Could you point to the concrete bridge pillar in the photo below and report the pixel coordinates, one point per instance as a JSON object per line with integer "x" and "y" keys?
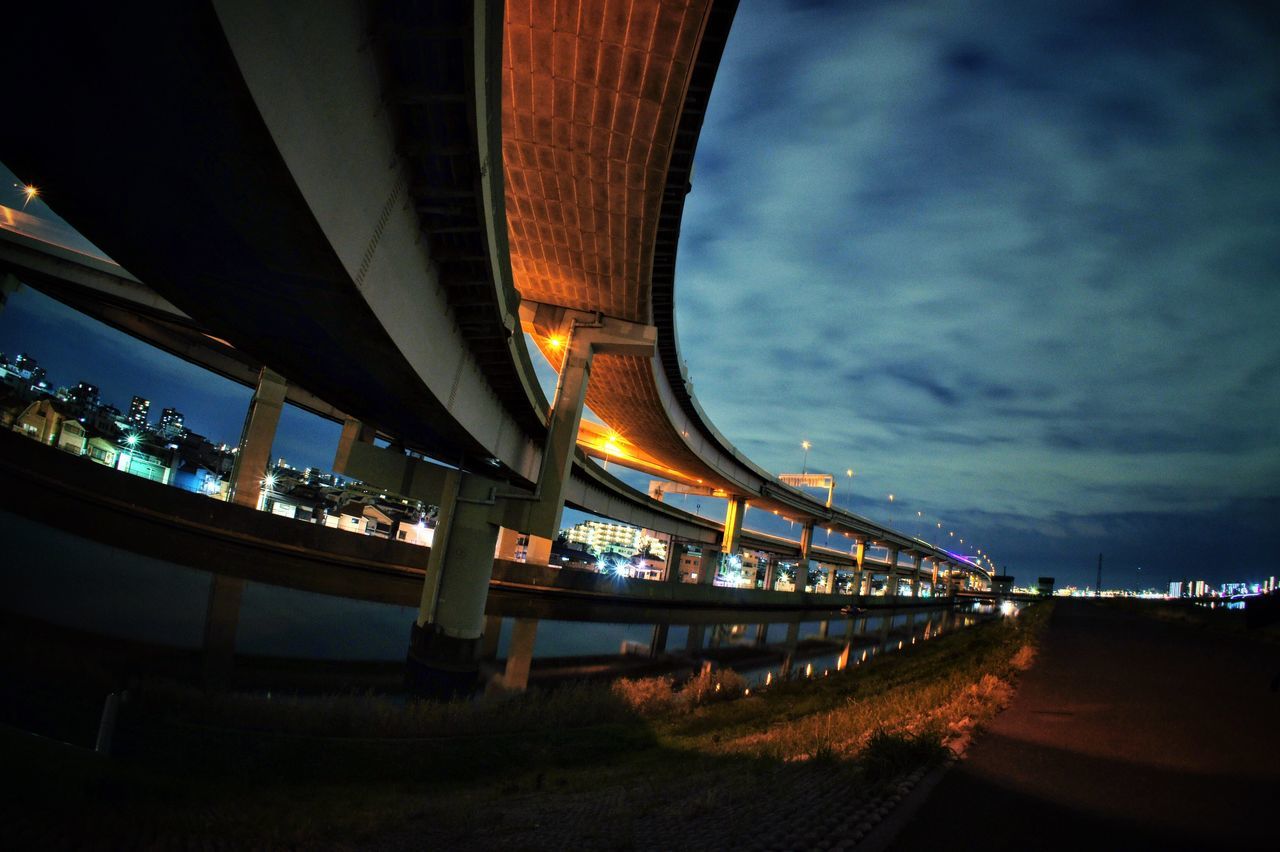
{"x": 710, "y": 565}
{"x": 254, "y": 454}
{"x": 587, "y": 337}
{"x": 443, "y": 658}
{"x": 831, "y": 579}
{"x": 508, "y": 544}
{"x": 658, "y": 644}
{"x": 915, "y": 575}
{"x": 859, "y": 553}
{"x": 803, "y": 564}
{"x": 675, "y": 551}
{"x": 353, "y": 432}
{"x": 891, "y": 582}
{"x": 770, "y": 571}
{"x": 735, "y": 511}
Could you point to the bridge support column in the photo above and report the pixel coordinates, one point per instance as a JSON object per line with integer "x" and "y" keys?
{"x": 803, "y": 564}
{"x": 891, "y": 582}
{"x": 353, "y": 432}
{"x": 587, "y": 337}
{"x": 734, "y": 511}
{"x": 915, "y": 575}
{"x": 675, "y": 552}
{"x": 443, "y": 658}
{"x": 508, "y": 544}
{"x": 256, "y": 438}
{"x": 658, "y": 643}
{"x": 710, "y": 565}
{"x": 859, "y": 554}
{"x": 934, "y": 581}
{"x": 770, "y": 572}
{"x": 831, "y": 579}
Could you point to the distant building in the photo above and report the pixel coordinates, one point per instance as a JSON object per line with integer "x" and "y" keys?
{"x": 139, "y": 410}
{"x": 601, "y": 536}
{"x": 171, "y": 423}
{"x": 106, "y": 419}
{"x": 1002, "y": 584}
{"x": 690, "y": 566}
{"x": 1045, "y": 586}
{"x": 1175, "y": 589}
{"x": 84, "y": 397}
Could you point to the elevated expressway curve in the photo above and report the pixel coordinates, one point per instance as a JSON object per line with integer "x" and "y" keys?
{"x": 373, "y": 202}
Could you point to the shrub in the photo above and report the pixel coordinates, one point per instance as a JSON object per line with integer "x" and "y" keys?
{"x": 717, "y": 685}
{"x": 888, "y": 755}
{"x": 647, "y": 695}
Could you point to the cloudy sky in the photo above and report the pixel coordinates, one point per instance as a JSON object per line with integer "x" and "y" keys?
{"x": 1016, "y": 263}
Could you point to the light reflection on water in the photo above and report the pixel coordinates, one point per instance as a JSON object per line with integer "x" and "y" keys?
{"x": 64, "y": 580}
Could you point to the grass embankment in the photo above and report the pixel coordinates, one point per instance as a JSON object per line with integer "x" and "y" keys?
{"x": 305, "y": 770}
{"x": 1200, "y": 617}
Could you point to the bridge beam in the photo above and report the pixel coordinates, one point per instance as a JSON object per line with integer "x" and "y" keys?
{"x": 256, "y": 438}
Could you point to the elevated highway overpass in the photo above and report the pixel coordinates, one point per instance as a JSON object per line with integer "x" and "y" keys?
{"x": 373, "y": 203}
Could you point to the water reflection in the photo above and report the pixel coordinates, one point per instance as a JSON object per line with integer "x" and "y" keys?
{"x": 236, "y": 631}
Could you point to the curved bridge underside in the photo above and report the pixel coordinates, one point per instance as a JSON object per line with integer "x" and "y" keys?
{"x": 323, "y": 193}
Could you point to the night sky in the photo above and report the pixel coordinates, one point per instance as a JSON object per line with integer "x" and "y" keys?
{"x": 1017, "y": 264}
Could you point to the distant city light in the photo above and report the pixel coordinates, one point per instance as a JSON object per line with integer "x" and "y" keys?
{"x": 30, "y": 192}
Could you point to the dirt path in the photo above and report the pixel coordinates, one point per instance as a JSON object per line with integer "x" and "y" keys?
{"x": 1129, "y": 733}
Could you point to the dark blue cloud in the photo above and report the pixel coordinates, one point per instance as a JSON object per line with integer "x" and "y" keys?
{"x": 1024, "y": 256}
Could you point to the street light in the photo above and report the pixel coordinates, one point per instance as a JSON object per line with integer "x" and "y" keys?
{"x": 805, "y": 445}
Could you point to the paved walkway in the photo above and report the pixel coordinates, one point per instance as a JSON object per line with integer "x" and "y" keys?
{"x": 1128, "y": 733}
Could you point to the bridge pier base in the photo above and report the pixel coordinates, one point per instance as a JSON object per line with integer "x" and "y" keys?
{"x": 443, "y": 656}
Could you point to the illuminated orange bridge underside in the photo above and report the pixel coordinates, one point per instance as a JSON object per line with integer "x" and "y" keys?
{"x": 592, "y": 96}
